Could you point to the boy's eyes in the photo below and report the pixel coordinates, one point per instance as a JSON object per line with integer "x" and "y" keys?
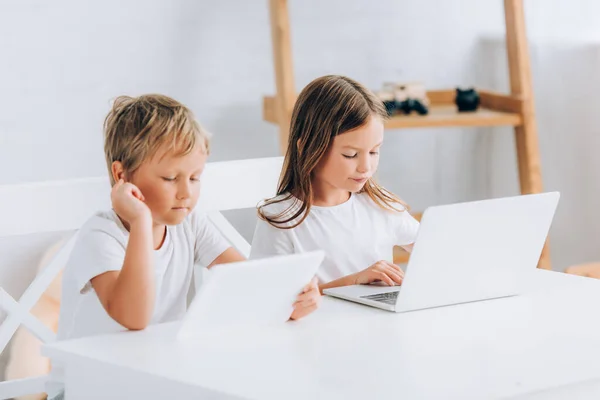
{"x": 170, "y": 179}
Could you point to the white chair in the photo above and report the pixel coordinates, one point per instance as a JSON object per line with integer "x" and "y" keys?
{"x": 55, "y": 208}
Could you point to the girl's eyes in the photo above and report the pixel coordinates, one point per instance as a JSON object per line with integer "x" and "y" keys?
{"x": 373, "y": 153}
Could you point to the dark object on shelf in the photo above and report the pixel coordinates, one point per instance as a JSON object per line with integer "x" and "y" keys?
{"x": 390, "y": 106}
{"x": 420, "y": 108}
{"x": 411, "y": 97}
{"x": 404, "y": 98}
{"x": 467, "y": 100}
{"x": 404, "y": 106}
{"x": 388, "y": 100}
{"x": 409, "y": 105}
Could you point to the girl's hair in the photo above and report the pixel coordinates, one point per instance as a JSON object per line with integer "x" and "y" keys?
{"x": 327, "y": 107}
{"x": 137, "y": 127}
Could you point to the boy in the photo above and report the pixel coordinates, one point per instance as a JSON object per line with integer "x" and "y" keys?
{"x": 138, "y": 258}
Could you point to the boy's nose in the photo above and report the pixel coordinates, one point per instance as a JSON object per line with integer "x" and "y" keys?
{"x": 183, "y": 191}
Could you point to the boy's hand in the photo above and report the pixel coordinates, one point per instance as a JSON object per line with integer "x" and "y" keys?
{"x": 128, "y": 202}
{"x": 383, "y": 271}
{"x": 307, "y": 301}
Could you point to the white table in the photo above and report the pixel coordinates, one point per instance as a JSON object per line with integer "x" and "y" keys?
{"x": 544, "y": 345}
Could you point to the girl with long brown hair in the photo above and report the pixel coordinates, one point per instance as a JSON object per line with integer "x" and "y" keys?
{"x": 327, "y": 197}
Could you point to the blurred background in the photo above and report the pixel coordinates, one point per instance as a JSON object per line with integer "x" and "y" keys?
{"x": 63, "y": 61}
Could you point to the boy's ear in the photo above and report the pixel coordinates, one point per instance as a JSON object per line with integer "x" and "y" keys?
{"x": 117, "y": 171}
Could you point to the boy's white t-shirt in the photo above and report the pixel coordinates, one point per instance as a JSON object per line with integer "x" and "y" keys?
{"x": 100, "y": 247}
{"x": 354, "y": 235}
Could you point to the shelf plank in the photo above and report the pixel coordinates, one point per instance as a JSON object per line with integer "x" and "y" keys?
{"x": 448, "y": 116}
{"x": 496, "y": 110}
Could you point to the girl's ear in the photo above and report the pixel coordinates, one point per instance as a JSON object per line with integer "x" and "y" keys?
{"x": 298, "y": 146}
{"x": 117, "y": 171}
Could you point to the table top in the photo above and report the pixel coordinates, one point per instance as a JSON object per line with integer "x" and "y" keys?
{"x": 547, "y": 338}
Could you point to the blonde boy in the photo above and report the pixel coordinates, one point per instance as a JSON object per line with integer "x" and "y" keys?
{"x": 132, "y": 265}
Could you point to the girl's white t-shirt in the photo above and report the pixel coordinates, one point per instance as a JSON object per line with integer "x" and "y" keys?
{"x": 354, "y": 235}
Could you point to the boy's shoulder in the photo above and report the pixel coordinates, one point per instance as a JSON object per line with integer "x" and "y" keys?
{"x": 101, "y": 237}
{"x": 104, "y": 222}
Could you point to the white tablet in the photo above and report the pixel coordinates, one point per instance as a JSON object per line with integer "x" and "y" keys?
{"x": 249, "y": 293}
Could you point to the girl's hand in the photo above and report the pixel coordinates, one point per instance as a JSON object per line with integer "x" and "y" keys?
{"x": 381, "y": 271}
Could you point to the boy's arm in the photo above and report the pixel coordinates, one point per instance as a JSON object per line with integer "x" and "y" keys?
{"x": 228, "y": 256}
{"x": 590, "y": 270}
{"x": 128, "y": 295}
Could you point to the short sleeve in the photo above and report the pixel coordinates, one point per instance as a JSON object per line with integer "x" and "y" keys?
{"x": 270, "y": 241}
{"x": 96, "y": 251}
{"x": 209, "y": 242}
{"x": 405, "y": 228}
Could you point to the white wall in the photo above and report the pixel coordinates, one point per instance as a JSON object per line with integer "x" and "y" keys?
{"x": 63, "y": 61}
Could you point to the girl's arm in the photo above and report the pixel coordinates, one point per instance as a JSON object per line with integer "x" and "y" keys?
{"x": 408, "y": 247}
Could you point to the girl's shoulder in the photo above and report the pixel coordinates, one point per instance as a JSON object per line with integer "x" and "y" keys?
{"x": 281, "y": 208}
{"x": 283, "y": 204}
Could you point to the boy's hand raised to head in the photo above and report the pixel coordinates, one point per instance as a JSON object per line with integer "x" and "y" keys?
{"x": 307, "y": 301}
{"x": 128, "y": 202}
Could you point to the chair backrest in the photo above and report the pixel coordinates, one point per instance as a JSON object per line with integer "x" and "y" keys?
{"x": 31, "y": 213}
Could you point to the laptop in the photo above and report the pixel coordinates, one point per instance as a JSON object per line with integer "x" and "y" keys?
{"x": 249, "y": 293}
{"x": 467, "y": 252}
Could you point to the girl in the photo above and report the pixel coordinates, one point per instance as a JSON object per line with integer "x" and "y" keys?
{"x": 327, "y": 197}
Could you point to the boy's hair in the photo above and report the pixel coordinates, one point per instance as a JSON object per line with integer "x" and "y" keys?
{"x": 328, "y": 106}
{"x": 137, "y": 127}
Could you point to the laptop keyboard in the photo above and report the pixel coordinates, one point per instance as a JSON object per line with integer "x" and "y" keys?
{"x": 387, "y": 298}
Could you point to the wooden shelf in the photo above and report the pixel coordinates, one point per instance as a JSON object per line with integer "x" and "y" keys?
{"x": 495, "y": 110}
